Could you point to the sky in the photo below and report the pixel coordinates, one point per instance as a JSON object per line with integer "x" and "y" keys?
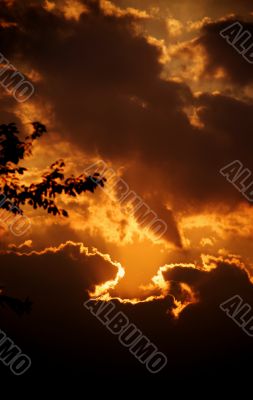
{"x": 153, "y": 90}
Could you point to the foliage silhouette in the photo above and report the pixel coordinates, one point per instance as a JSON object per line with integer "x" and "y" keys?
{"x": 53, "y": 183}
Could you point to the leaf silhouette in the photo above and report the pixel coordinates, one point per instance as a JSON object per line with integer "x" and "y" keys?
{"x": 53, "y": 182}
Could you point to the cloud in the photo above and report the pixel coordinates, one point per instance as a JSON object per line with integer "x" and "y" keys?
{"x": 220, "y": 54}
{"x": 175, "y": 27}
{"x": 70, "y": 262}
{"x": 98, "y": 112}
{"x": 102, "y": 79}
{"x": 60, "y": 331}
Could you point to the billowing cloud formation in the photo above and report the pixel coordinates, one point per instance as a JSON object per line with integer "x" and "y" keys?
{"x": 71, "y": 263}
{"x": 59, "y": 330}
{"x": 102, "y": 80}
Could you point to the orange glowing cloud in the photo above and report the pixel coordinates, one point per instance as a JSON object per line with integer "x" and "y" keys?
{"x": 109, "y": 8}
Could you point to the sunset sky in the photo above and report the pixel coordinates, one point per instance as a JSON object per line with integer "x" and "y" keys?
{"x": 152, "y": 89}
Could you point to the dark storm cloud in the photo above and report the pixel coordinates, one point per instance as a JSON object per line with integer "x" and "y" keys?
{"x": 103, "y": 81}
{"x": 96, "y": 74}
{"x": 65, "y": 341}
{"x": 69, "y": 262}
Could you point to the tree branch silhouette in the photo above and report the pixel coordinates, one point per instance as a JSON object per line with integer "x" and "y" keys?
{"x": 53, "y": 183}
